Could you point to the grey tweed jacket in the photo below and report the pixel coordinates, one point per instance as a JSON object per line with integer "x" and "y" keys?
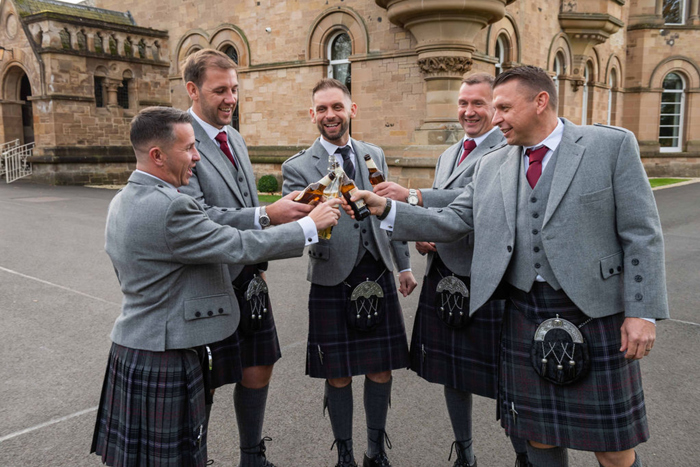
{"x": 170, "y": 259}
{"x": 600, "y": 214}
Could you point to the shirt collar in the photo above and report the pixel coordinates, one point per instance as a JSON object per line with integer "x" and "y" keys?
{"x": 479, "y": 139}
{"x": 330, "y": 147}
{"x": 210, "y": 130}
{"x": 156, "y": 178}
{"x": 552, "y": 141}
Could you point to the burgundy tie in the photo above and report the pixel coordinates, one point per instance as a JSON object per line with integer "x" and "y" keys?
{"x": 469, "y": 146}
{"x": 222, "y": 138}
{"x": 534, "y": 170}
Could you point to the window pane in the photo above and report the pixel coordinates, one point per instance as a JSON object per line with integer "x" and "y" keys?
{"x": 673, "y": 120}
{"x": 673, "y": 10}
{"x": 342, "y": 48}
{"x": 99, "y": 99}
{"x": 231, "y": 52}
{"x": 668, "y": 142}
{"x": 673, "y": 81}
{"x": 342, "y": 73}
{"x": 123, "y": 94}
{"x": 668, "y": 131}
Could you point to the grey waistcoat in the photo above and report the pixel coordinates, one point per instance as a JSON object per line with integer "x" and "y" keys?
{"x": 529, "y": 256}
{"x": 367, "y": 242}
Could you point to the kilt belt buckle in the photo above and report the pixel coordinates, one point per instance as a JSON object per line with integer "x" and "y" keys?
{"x": 559, "y": 353}
{"x": 366, "y": 305}
{"x": 451, "y": 295}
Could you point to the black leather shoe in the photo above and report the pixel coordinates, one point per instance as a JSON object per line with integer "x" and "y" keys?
{"x": 461, "y": 459}
{"x": 259, "y": 451}
{"x": 345, "y": 457}
{"x": 522, "y": 460}
{"x": 380, "y": 460}
{"x": 463, "y": 463}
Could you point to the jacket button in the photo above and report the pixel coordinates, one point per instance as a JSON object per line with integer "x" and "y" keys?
{"x": 619, "y": 269}
{"x": 364, "y": 230}
{"x": 535, "y": 215}
{"x": 240, "y": 179}
{"x": 538, "y": 265}
{"x": 611, "y": 270}
{"x": 320, "y": 255}
{"x": 245, "y": 193}
{"x": 439, "y": 210}
{"x": 224, "y": 210}
{"x": 404, "y": 243}
{"x": 357, "y": 226}
{"x": 309, "y": 239}
{"x": 638, "y": 278}
{"x": 536, "y": 249}
{"x": 535, "y": 231}
{"x": 638, "y": 297}
{"x": 221, "y": 310}
{"x": 210, "y": 313}
{"x": 197, "y": 314}
{"x": 160, "y": 186}
{"x": 509, "y": 248}
{"x": 635, "y": 262}
{"x": 366, "y": 243}
{"x": 533, "y": 200}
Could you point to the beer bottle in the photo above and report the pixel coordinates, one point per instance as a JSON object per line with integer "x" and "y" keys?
{"x": 331, "y": 191}
{"x": 348, "y": 188}
{"x": 375, "y": 175}
{"x": 314, "y": 192}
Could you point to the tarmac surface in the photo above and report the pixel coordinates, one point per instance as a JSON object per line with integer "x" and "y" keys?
{"x": 59, "y": 298}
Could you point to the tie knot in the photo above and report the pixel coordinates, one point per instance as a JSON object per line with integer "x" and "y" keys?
{"x": 344, "y": 152}
{"x": 469, "y": 145}
{"x": 222, "y": 137}
{"x": 536, "y": 154}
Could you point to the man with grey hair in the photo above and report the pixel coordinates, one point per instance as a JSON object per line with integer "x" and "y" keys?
{"x": 168, "y": 256}
{"x": 446, "y": 347}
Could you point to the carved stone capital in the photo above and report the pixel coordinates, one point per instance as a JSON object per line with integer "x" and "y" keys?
{"x": 445, "y": 66}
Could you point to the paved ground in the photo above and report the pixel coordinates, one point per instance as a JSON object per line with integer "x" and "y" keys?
{"x": 59, "y": 298}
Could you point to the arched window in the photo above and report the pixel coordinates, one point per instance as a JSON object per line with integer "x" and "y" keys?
{"x": 559, "y": 69}
{"x": 672, "y": 113}
{"x": 674, "y": 11}
{"x": 123, "y": 94}
{"x": 500, "y": 53}
{"x": 339, "y": 50}
{"x": 612, "y": 97}
{"x": 585, "y": 104}
{"x": 233, "y": 55}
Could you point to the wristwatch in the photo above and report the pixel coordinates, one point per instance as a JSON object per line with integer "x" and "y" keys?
{"x": 412, "y": 197}
{"x": 264, "y": 218}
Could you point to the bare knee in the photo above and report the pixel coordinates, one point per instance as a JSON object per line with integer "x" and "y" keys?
{"x": 537, "y": 445}
{"x": 616, "y": 459}
{"x": 256, "y": 377}
{"x": 383, "y": 377}
{"x": 340, "y": 382}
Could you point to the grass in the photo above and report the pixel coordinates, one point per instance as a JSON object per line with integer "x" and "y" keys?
{"x": 268, "y": 198}
{"x": 665, "y": 181}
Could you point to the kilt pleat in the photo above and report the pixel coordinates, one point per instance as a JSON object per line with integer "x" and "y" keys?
{"x": 242, "y": 350}
{"x": 151, "y": 410}
{"x": 336, "y": 350}
{"x": 604, "y": 411}
{"x": 465, "y": 359}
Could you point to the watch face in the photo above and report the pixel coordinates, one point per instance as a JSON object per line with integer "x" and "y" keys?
{"x": 412, "y": 199}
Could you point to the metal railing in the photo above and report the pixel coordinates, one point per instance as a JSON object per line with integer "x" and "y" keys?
{"x": 4, "y": 147}
{"x": 14, "y": 160}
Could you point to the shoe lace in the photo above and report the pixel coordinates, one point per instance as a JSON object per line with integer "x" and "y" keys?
{"x": 345, "y": 457}
{"x": 458, "y": 447}
{"x": 258, "y": 449}
{"x": 522, "y": 461}
{"x": 381, "y": 459}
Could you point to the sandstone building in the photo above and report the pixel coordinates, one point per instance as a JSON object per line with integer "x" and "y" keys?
{"x": 630, "y": 63}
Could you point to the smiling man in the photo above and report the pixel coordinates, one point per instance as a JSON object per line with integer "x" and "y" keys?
{"x": 224, "y": 183}
{"x": 339, "y": 345}
{"x": 460, "y": 354}
{"x": 168, "y": 256}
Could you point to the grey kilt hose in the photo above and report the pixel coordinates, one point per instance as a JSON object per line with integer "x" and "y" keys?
{"x": 244, "y": 349}
{"x": 604, "y": 411}
{"x": 466, "y": 358}
{"x": 335, "y": 349}
{"x": 164, "y": 389}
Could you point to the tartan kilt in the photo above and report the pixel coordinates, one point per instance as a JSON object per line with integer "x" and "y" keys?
{"x": 334, "y": 349}
{"x": 151, "y": 409}
{"x": 465, "y": 359}
{"x": 241, "y": 350}
{"x": 602, "y": 412}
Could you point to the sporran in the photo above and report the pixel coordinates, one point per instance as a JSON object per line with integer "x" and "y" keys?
{"x": 254, "y": 305}
{"x": 452, "y": 301}
{"x": 365, "y": 307}
{"x": 559, "y": 352}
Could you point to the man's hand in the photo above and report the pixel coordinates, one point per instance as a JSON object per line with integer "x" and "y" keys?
{"x": 638, "y": 337}
{"x": 325, "y": 214}
{"x": 425, "y": 247}
{"x": 376, "y": 204}
{"x": 286, "y": 210}
{"x": 407, "y": 283}
{"x": 391, "y": 190}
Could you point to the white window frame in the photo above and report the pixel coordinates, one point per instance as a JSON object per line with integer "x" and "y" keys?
{"x": 329, "y": 54}
{"x": 558, "y": 69}
{"x": 584, "y": 104}
{"x": 500, "y": 53}
{"x": 682, "y": 14}
{"x": 611, "y": 82}
{"x": 681, "y": 120}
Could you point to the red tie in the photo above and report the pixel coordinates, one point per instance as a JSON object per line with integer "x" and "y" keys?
{"x": 222, "y": 138}
{"x": 469, "y": 146}
{"x": 534, "y": 170}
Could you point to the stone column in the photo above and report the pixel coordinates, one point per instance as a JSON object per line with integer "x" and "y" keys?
{"x": 112, "y": 85}
{"x": 694, "y": 18}
{"x": 445, "y": 31}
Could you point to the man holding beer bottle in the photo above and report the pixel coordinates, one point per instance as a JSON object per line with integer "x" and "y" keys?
{"x": 355, "y": 322}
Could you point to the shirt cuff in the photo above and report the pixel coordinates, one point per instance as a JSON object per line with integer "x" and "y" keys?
{"x": 256, "y": 220}
{"x": 405, "y": 270}
{"x": 310, "y": 233}
{"x": 651, "y": 320}
{"x": 388, "y": 222}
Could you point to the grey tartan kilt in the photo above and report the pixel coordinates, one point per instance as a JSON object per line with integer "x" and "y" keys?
{"x": 151, "y": 410}
{"x": 335, "y": 350}
{"x": 465, "y": 358}
{"x": 603, "y": 412}
{"x": 242, "y": 350}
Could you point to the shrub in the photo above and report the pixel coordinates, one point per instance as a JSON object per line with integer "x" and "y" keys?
{"x": 267, "y": 184}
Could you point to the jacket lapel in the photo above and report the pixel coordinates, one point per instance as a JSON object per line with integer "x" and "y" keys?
{"x": 447, "y": 169}
{"x": 509, "y": 174}
{"x": 361, "y": 170}
{"x": 320, "y": 156}
{"x": 568, "y": 160}
{"x": 244, "y": 165}
{"x": 212, "y": 152}
{"x": 492, "y": 141}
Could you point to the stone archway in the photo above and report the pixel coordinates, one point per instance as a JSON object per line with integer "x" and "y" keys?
{"x": 17, "y": 113}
